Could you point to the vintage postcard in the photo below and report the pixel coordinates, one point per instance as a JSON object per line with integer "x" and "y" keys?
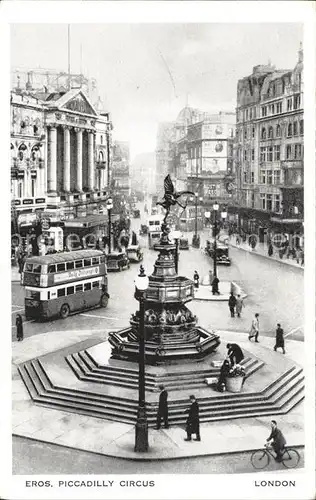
{"x": 159, "y": 217}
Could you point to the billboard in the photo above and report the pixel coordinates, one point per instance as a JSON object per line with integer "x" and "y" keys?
{"x": 213, "y": 165}
{"x": 214, "y": 148}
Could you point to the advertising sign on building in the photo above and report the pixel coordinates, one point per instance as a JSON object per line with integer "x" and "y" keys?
{"x": 213, "y": 165}
{"x": 214, "y": 148}
{"x": 214, "y": 131}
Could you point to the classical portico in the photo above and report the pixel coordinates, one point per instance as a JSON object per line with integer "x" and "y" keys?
{"x": 71, "y": 145}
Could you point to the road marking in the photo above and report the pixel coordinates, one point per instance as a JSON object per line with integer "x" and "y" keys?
{"x": 24, "y": 323}
{"x": 17, "y": 310}
{"x": 96, "y": 316}
{"x": 293, "y": 331}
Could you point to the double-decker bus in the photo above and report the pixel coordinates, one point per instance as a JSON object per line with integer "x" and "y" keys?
{"x": 63, "y": 283}
{"x": 154, "y": 229}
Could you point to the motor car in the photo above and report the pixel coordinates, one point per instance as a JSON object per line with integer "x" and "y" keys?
{"x": 184, "y": 244}
{"x": 136, "y": 214}
{"x": 134, "y": 253}
{"x": 143, "y": 229}
{"x": 117, "y": 261}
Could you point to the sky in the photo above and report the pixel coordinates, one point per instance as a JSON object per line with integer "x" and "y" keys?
{"x": 146, "y": 73}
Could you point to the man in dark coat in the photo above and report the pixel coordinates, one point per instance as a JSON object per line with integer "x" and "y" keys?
{"x": 162, "y": 408}
{"x": 279, "y": 338}
{"x": 19, "y": 327}
{"x": 278, "y": 440}
{"x": 232, "y": 304}
{"x": 234, "y": 353}
{"x": 193, "y": 420}
{"x": 215, "y": 286}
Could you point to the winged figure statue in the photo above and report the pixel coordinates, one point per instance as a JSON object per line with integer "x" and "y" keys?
{"x": 171, "y": 196}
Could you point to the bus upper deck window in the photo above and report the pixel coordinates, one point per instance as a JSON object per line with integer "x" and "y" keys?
{"x": 102, "y": 259}
{"x": 70, "y": 265}
{"x": 95, "y": 260}
{"x": 87, "y": 262}
{"x": 61, "y": 267}
{"x": 29, "y": 267}
{"x": 52, "y": 268}
{"x": 78, "y": 264}
{"x": 37, "y": 268}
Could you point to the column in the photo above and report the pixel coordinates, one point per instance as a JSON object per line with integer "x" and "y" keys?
{"x": 90, "y": 161}
{"x": 52, "y": 161}
{"x": 66, "y": 173}
{"x": 79, "y": 160}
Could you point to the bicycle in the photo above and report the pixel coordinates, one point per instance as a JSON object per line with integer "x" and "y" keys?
{"x": 261, "y": 458}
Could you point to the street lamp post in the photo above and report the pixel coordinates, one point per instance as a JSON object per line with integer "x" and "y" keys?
{"x": 141, "y": 427}
{"x": 215, "y": 208}
{"x": 176, "y": 235}
{"x": 109, "y": 206}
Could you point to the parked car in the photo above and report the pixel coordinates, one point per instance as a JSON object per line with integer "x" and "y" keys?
{"x": 184, "y": 244}
{"x": 136, "y": 214}
{"x": 134, "y": 253}
{"x": 143, "y": 229}
{"x": 117, "y": 261}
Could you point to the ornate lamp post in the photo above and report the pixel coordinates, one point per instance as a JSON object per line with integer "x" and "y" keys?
{"x": 141, "y": 427}
{"x": 109, "y": 206}
{"x": 224, "y": 215}
{"x": 215, "y": 208}
{"x": 175, "y": 235}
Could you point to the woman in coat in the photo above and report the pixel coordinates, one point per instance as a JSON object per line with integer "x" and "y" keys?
{"x": 193, "y": 420}
{"x": 19, "y": 327}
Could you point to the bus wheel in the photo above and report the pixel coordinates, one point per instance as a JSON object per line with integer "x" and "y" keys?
{"x": 104, "y": 300}
{"x": 64, "y": 311}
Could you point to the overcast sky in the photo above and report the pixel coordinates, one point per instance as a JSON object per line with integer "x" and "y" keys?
{"x": 146, "y": 72}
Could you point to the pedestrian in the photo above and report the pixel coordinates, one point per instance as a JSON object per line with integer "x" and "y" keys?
{"x": 239, "y": 305}
{"x": 302, "y": 258}
{"x": 196, "y": 279}
{"x": 237, "y": 240}
{"x": 19, "y": 327}
{"x": 254, "y": 330}
{"x": 162, "y": 408}
{"x": 270, "y": 250}
{"x": 215, "y": 289}
{"x": 224, "y": 371}
{"x": 278, "y": 440}
{"x": 232, "y": 304}
{"x": 234, "y": 353}
{"x": 279, "y": 338}
{"x": 193, "y": 420}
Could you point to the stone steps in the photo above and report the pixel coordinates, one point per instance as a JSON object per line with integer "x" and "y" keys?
{"x": 277, "y": 398}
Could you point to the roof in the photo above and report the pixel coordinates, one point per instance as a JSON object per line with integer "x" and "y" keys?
{"x": 56, "y": 258}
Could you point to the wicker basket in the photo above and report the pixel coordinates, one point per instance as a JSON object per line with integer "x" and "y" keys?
{"x": 234, "y": 384}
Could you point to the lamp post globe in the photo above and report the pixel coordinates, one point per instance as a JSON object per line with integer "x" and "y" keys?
{"x": 141, "y": 427}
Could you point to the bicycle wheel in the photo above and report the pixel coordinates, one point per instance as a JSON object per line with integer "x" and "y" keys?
{"x": 290, "y": 458}
{"x": 260, "y": 459}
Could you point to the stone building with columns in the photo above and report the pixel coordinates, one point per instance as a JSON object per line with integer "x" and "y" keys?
{"x": 60, "y": 150}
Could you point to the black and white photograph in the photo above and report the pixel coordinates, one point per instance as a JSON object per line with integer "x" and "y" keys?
{"x": 158, "y": 250}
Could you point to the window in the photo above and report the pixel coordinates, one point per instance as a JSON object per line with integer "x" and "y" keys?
{"x": 79, "y": 288}
{"x": 87, "y": 262}
{"x": 31, "y": 294}
{"x": 61, "y": 292}
{"x": 20, "y": 191}
{"x": 37, "y": 268}
{"x": 61, "y": 267}
{"x": 263, "y": 133}
{"x": 250, "y": 113}
{"x": 246, "y": 114}
{"x": 277, "y": 153}
{"x": 295, "y": 128}
{"x": 289, "y": 104}
{"x": 245, "y": 176}
{"x": 278, "y": 131}
{"x": 70, "y": 290}
{"x": 263, "y": 154}
{"x": 297, "y": 101}
{"x": 262, "y": 176}
{"x": 269, "y": 202}
{"x": 245, "y": 155}
{"x": 78, "y": 264}
{"x": 95, "y": 260}
{"x": 33, "y": 187}
{"x": 279, "y": 107}
{"x": 289, "y": 130}
{"x": 252, "y": 155}
{"x": 101, "y": 139}
{"x": 252, "y": 200}
{"x": 277, "y": 177}
{"x": 272, "y": 109}
{"x": 263, "y": 201}
{"x": 297, "y": 151}
{"x": 301, "y": 127}
{"x": 87, "y": 287}
{"x": 51, "y": 268}
{"x": 253, "y": 132}
{"x": 277, "y": 203}
{"x": 270, "y": 153}
{"x": 252, "y": 180}
{"x": 269, "y": 177}
{"x": 96, "y": 284}
{"x": 245, "y": 133}
{"x": 270, "y": 135}
{"x": 288, "y": 152}
{"x": 264, "y": 111}
{"x": 70, "y": 265}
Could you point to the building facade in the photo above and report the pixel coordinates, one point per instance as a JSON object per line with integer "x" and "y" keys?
{"x": 60, "y": 153}
{"x": 120, "y": 175}
{"x": 164, "y": 153}
{"x": 270, "y": 151}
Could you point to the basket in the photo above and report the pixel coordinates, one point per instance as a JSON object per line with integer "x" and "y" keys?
{"x": 234, "y": 384}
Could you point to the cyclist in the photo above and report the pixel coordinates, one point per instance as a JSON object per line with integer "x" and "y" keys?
{"x": 277, "y": 439}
